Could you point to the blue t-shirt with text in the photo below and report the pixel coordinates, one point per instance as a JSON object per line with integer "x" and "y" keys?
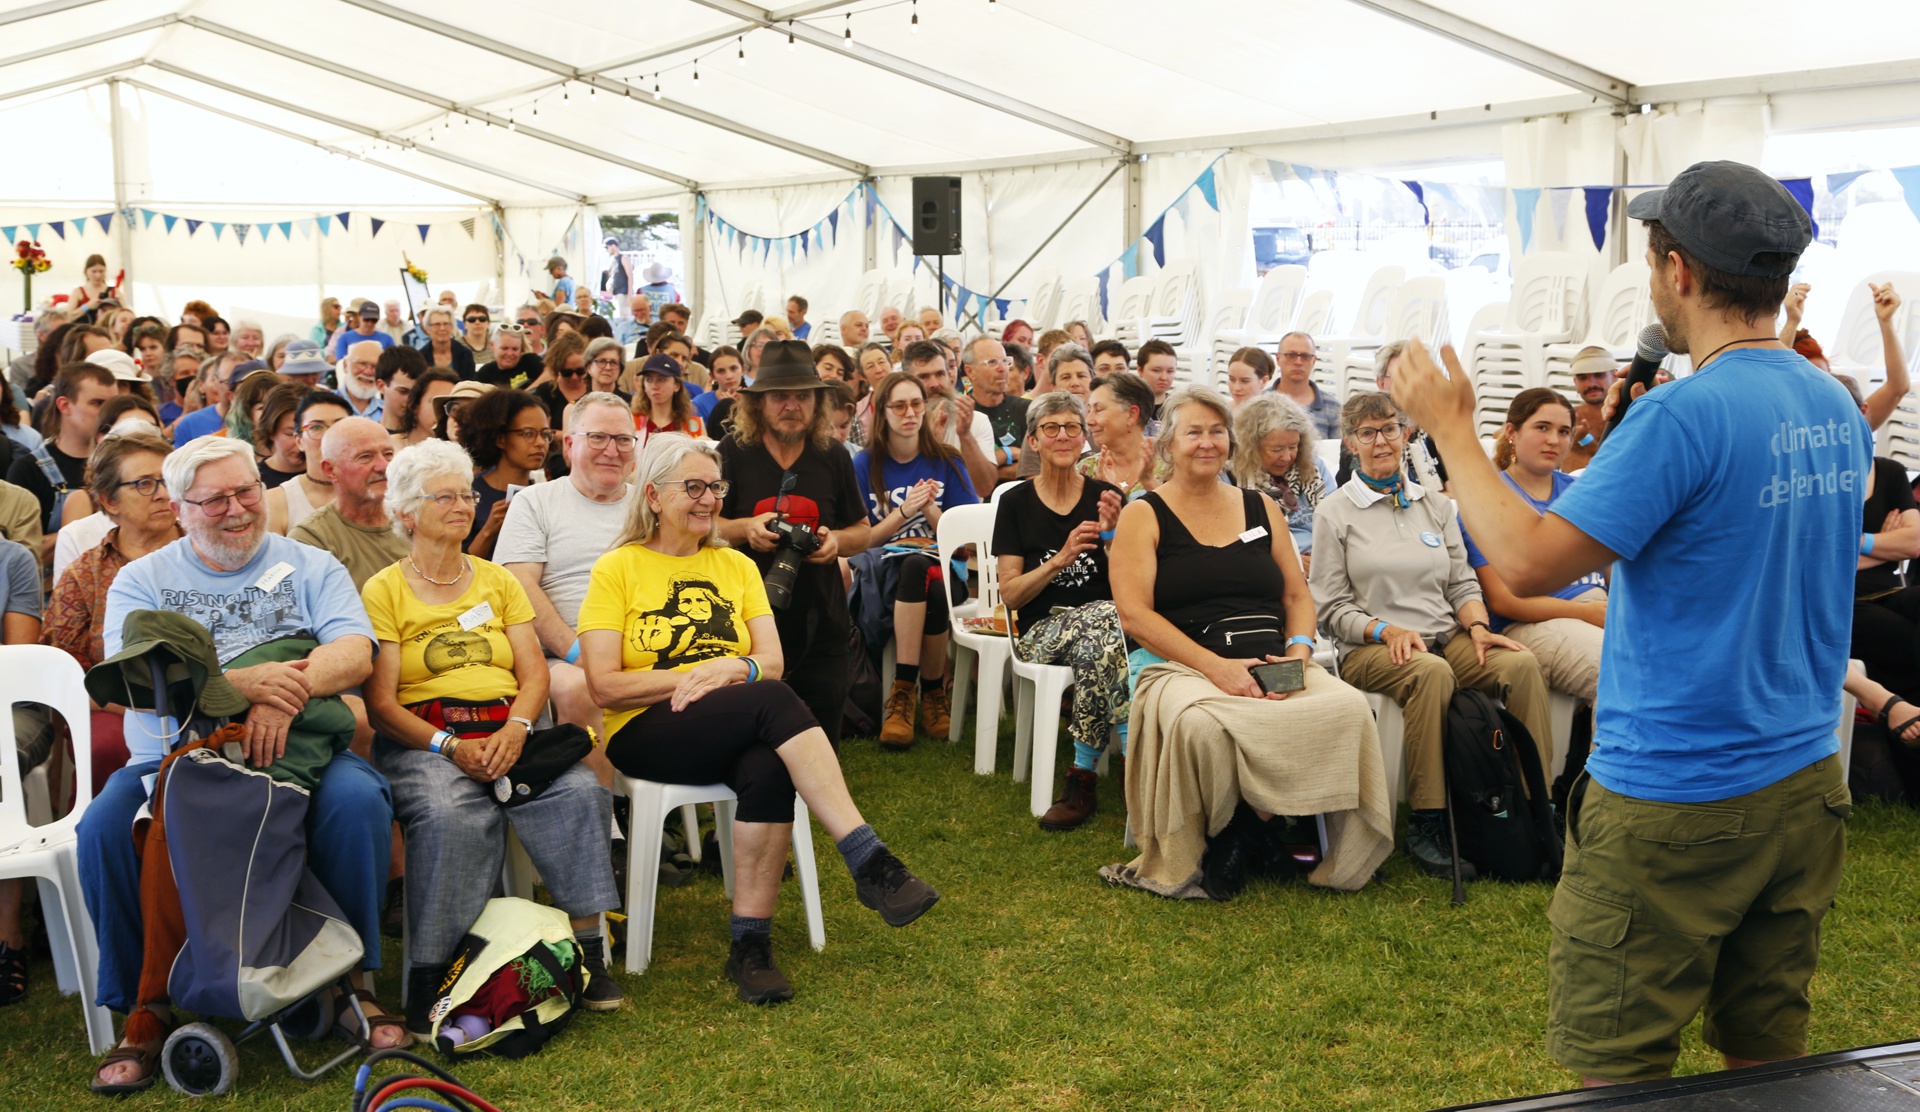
{"x": 1732, "y": 498}
{"x": 312, "y": 597}
{"x": 1561, "y": 481}
{"x": 952, "y": 488}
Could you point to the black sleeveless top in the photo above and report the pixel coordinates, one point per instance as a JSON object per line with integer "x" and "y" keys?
{"x": 1229, "y": 599}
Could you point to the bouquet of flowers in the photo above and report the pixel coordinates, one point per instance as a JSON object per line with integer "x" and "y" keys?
{"x": 30, "y": 260}
{"x": 414, "y": 270}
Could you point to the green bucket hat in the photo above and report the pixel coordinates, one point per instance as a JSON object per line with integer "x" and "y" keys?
{"x": 189, "y": 668}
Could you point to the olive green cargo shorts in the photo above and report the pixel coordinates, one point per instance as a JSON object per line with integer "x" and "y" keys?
{"x": 1666, "y": 908}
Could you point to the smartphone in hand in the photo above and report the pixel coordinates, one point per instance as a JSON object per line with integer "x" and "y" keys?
{"x": 1283, "y": 676}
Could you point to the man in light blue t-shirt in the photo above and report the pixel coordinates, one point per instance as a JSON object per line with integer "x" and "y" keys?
{"x": 248, "y": 588}
{"x": 1705, "y": 842}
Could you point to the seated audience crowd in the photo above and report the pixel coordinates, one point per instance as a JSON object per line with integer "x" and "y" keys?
{"x": 430, "y": 548}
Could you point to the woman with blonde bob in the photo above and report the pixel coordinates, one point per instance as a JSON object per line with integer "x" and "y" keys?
{"x": 679, "y": 646}
{"x": 1219, "y": 747}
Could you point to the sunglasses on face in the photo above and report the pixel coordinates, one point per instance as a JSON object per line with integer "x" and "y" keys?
{"x": 533, "y": 322}
{"x": 476, "y": 320}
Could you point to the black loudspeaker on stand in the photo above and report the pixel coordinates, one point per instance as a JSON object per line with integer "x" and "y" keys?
{"x": 936, "y": 223}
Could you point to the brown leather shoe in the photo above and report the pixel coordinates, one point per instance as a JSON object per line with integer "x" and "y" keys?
{"x": 1078, "y": 801}
{"x": 936, "y": 712}
{"x": 896, "y": 729}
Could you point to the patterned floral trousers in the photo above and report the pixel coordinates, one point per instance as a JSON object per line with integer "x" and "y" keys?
{"x": 1088, "y": 640}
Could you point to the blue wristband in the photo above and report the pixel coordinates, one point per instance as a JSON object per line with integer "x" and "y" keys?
{"x": 440, "y": 738}
{"x": 1378, "y": 629}
{"x": 1866, "y": 544}
{"x": 1299, "y": 639}
{"x": 1106, "y": 535}
{"x": 573, "y": 654}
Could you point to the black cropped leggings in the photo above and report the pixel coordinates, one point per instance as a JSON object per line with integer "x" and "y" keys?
{"x": 726, "y": 736}
{"x": 919, "y": 577}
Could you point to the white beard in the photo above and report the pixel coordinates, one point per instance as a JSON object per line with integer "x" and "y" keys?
{"x": 351, "y": 385}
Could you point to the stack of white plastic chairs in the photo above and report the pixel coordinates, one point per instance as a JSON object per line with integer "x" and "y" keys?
{"x": 1368, "y": 330}
{"x": 1418, "y": 308}
{"x": 1858, "y": 351}
{"x": 1205, "y": 362}
{"x": 1269, "y": 316}
{"x": 1128, "y": 308}
{"x": 1043, "y": 299}
{"x": 868, "y": 295}
{"x": 1548, "y": 307}
{"x": 1080, "y": 301}
{"x": 1622, "y": 307}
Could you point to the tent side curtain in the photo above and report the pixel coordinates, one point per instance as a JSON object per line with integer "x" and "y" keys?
{"x": 267, "y": 266}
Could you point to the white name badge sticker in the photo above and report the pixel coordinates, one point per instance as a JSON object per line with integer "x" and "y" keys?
{"x": 273, "y": 575}
{"x": 1431, "y": 540}
{"x": 1253, "y": 534}
{"x": 476, "y": 617}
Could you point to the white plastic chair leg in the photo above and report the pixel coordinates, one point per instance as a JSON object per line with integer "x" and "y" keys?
{"x": 690, "y": 821}
{"x": 1047, "y": 691}
{"x": 70, "y": 935}
{"x": 1022, "y": 726}
{"x": 517, "y": 874}
{"x": 1393, "y": 742}
{"x": 37, "y": 794}
{"x": 992, "y": 681}
{"x": 643, "y": 873}
{"x": 807, "y": 871}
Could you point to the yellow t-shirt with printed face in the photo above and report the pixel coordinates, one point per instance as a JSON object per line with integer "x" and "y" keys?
{"x": 672, "y": 612}
{"x": 454, "y": 650}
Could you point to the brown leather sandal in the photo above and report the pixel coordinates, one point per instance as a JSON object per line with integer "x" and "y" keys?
{"x": 149, "y": 1059}
{"x": 347, "y": 1025}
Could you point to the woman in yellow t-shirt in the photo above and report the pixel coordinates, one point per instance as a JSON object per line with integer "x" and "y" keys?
{"x": 456, "y": 685}
{"x": 674, "y": 634}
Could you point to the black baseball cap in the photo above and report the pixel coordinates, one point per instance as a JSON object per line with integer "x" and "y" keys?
{"x": 1727, "y": 215}
{"x": 662, "y": 365}
{"x": 369, "y": 310}
{"x": 751, "y": 316}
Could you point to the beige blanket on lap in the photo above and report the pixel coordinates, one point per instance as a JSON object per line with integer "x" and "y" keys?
{"x": 1194, "y": 752}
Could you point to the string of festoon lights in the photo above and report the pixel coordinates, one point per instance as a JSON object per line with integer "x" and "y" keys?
{"x": 531, "y": 106}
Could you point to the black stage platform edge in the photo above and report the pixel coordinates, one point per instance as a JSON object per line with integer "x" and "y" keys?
{"x": 1880, "y": 1077}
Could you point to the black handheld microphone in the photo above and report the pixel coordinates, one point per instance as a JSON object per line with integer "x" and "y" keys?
{"x": 1646, "y": 363}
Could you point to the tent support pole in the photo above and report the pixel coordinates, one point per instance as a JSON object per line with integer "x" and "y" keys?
{"x": 869, "y": 246}
{"x": 1132, "y": 199}
{"x": 1130, "y": 214}
{"x": 1617, "y": 247}
{"x": 500, "y": 256}
{"x": 117, "y": 123}
{"x": 696, "y": 259}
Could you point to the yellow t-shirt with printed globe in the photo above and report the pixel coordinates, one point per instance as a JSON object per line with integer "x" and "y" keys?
{"x": 453, "y": 650}
{"x": 672, "y": 612}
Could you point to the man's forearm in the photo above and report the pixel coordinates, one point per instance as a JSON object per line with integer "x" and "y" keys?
{"x": 1502, "y": 523}
{"x": 339, "y": 665}
{"x": 854, "y": 539}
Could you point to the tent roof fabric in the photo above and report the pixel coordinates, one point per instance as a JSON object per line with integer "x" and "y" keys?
{"x": 503, "y": 101}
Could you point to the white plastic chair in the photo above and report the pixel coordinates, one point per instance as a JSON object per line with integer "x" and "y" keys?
{"x": 1857, "y": 346}
{"x": 1080, "y": 300}
{"x": 1221, "y": 334}
{"x": 977, "y": 652}
{"x": 1315, "y": 310}
{"x": 48, "y": 853}
{"x": 1043, "y": 304}
{"x": 872, "y": 287}
{"x": 1131, "y": 305}
{"x": 1275, "y": 302}
{"x": 1621, "y": 308}
{"x": 1418, "y": 308}
{"x": 650, "y": 803}
{"x": 1392, "y": 726}
{"x": 1370, "y": 322}
{"x": 1037, "y": 691}
{"x": 1548, "y": 306}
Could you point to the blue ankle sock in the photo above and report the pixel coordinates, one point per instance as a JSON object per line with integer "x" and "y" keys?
{"x": 741, "y": 926}
{"x": 859, "y": 845}
{"x": 1120, "y": 729}
{"x": 1085, "y": 756}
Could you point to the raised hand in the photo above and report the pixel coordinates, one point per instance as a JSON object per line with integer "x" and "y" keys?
{"x": 1431, "y": 397}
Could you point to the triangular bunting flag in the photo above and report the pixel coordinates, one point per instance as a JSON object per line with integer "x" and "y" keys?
{"x": 1599, "y": 200}
{"x": 1802, "y": 191}
{"x": 1103, "y": 290}
{"x": 326, "y": 225}
{"x": 33, "y": 230}
{"x": 193, "y": 226}
{"x": 1180, "y": 205}
{"x": 240, "y": 233}
{"x": 170, "y": 220}
{"x": 7, "y": 233}
{"x": 1420, "y": 194}
{"x": 1524, "y": 202}
{"x": 342, "y": 218}
{"x": 106, "y": 222}
{"x": 1839, "y": 181}
{"x": 833, "y": 220}
{"x": 423, "y": 231}
{"x": 218, "y": 228}
{"x": 1209, "y": 190}
{"x": 286, "y": 229}
{"x": 377, "y": 224}
{"x": 1157, "y": 236}
{"x": 148, "y": 215}
{"x": 1557, "y": 201}
{"x": 1129, "y": 262}
{"x": 465, "y": 225}
{"x": 1909, "y": 179}
{"x": 59, "y": 228}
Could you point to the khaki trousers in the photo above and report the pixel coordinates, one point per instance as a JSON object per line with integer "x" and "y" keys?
{"x": 1423, "y": 687}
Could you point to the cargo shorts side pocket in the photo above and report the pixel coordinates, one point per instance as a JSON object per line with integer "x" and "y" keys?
{"x": 1587, "y": 963}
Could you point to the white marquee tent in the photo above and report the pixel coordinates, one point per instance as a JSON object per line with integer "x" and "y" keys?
{"x": 257, "y": 154}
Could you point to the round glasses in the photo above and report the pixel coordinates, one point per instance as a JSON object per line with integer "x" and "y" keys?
{"x": 697, "y": 488}
{"x": 217, "y": 506}
{"x": 1392, "y": 433}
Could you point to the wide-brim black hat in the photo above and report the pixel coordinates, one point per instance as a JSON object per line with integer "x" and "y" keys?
{"x": 786, "y": 365}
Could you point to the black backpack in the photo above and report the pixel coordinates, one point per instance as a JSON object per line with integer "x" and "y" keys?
{"x": 1497, "y": 806}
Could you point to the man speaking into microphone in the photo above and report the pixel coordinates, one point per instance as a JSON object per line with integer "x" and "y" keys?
{"x": 1705, "y": 840}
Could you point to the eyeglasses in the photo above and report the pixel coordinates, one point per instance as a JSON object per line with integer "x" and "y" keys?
{"x": 612, "y": 363}
{"x": 907, "y": 406}
{"x": 1296, "y": 355}
{"x": 992, "y": 362}
{"x": 476, "y": 320}
{"x": 530, "y": 435}
{"x": 145, "y": 488}
{"x": 446, "y": 498}
{"x": 1053, "y": 430}
{"x": 1392, "y": 432}
{"x": 598, "y": 441}
{"x": 316, "y": 429}
{"x": 247, "y": 496}
{"x": 697, "y": 488}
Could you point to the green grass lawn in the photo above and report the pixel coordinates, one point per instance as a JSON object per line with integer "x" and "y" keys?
{"x": 1034, "y": 985}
